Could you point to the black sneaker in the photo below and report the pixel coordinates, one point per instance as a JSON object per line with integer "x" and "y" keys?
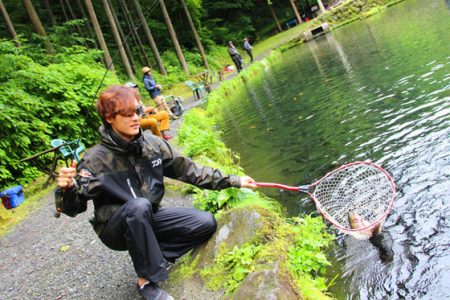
{"x": 152, "y": 291}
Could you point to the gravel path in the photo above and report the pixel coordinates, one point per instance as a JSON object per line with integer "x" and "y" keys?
{"x": 49, "y": 258}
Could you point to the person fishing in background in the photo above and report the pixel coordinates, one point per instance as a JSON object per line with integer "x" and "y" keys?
{"x": 124, "y": 177}
{"x": 248, "y": 48}
{"x": 154, "y": 90}
{"x": 235, "y": 56}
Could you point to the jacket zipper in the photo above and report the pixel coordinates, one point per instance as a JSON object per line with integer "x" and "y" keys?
{"x": 131, "y": 188}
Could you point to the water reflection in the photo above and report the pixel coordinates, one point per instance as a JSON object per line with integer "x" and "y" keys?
{"x": 377, "y": 90}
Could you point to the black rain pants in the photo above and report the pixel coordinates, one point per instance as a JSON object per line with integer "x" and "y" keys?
{"x": 154, "y": 237}
{"x": 237, "y": 60}
{"x": 249, "y": 52}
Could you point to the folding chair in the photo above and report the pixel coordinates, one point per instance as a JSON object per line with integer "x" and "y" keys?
{"x": 198, "y": 89}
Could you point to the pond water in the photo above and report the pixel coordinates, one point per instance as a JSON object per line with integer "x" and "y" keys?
{"x": 377, "y": 90}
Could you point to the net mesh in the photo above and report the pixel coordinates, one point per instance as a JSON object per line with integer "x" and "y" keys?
{"x": 359, "y": 188}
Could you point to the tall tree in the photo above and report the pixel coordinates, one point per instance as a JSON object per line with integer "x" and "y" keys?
{"x": 274, "y": 15}
{"x": 174, "y": 38}
{"x": 37, "y": 25}
{"x": 98, "y": 32}
{"x": 322, "y": 8}
{"x": 134, "y": 35}
{"x": 297, "y": 15}
{"x": 196, "y": 37}
{"x": 49, "y": 11}
{"x": 83, "y": 15}
{"x": 9, "y": 24}
{"x": 119, "y": 42}
{"x": 73, "y": 17}
{"x": 149, "y": 36}
{"x": 122, "y": 36}
{"x": 66, "y": 18}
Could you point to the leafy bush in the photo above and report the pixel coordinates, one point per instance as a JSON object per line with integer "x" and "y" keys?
{"x": 42, "y": 102}
{"x": 231, "y": 268}
{"x": 198, "y": 138}
{"x": 307, "y": 258}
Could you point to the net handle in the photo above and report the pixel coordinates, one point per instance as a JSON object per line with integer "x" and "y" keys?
{"x": 303, "y": 188}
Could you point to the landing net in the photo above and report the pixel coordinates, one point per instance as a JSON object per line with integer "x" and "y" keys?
{"x": 362, "y": 188}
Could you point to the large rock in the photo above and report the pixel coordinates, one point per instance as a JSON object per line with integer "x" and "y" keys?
{"x": 235, "y": 228}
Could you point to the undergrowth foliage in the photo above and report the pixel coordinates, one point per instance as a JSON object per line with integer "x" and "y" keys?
{"x": 231, "y": 268}
{"x": 43, "y": 101}
{"x": 307, "y": 258}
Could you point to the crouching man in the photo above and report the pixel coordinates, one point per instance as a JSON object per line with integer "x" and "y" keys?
{"x": 123, "y": 176}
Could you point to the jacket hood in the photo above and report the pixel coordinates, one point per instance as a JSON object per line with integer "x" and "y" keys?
{"x": 115, "y": 142}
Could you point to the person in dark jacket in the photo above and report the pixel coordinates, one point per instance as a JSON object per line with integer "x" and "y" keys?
{"x": 248, "y": 48}
{"x": 154, "y": 90}
{"x": 123, "y": 176}
{"x": 235, "y": 56}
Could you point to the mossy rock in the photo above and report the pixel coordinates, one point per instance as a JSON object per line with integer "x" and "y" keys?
{"x": 237, "y": 227}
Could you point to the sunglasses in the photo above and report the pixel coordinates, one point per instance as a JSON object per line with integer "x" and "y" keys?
{"x": 139, "y": 110}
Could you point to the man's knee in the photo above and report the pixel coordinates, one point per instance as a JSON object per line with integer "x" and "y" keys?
{"x": 139, "y": 208}
{"x": 162, "y": 115}
{"x": 209, "y": 224}
{"x": 148, "y": 123}
{"x": 159, "y": 99}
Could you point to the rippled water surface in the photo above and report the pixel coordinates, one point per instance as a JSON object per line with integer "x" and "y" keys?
{"x": 374, "y": 90}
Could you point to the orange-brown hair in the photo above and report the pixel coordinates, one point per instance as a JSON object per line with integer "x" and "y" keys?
{"x": 117, "y": 100}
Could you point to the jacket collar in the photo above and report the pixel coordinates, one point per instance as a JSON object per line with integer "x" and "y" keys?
{"x": 114, "y": 141}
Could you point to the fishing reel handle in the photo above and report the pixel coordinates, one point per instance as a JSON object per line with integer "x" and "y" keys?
{"x": 58, "y": 209}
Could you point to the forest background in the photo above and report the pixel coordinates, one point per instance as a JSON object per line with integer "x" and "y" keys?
{"x": 54, "y": 55}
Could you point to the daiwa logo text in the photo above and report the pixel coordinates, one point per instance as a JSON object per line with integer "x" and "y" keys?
{"x": 156, "y": 162}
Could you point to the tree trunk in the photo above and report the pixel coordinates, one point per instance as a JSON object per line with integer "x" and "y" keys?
{"x": 297, "y": 15}
{"x": 123, "y": 55}
{"x": 148, "y": 33}
{"x": 196, "y": 37}
{"x": 274, "y": 15}
{"x": 135, "y": 36}
{"x": 83, "y": 15}
{"x": 174, "y": 38}
{"x": 37, "y": 25}
{"x": 98, "y": 32}
{"x": 322, "y": 8}
{"x": 66, "y": 18}
{"x": 73, "y": 17}
{"x": 49, "y": 11}
{"x": 9, "y": 24}
{"x": 123, "y": 37}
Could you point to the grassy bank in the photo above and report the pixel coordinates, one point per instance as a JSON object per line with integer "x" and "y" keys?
{"x": 298, "y": 243}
